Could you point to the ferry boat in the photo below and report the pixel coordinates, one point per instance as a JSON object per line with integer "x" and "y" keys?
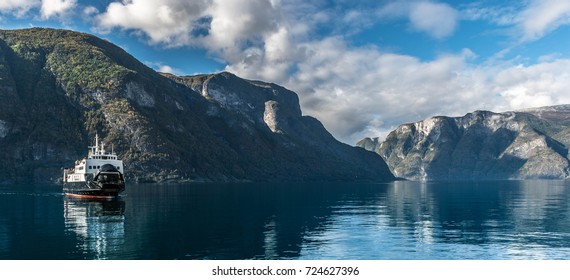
{"x": 99, "y": 175}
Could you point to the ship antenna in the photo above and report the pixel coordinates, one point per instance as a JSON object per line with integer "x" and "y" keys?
{"x": 96, "y": 143}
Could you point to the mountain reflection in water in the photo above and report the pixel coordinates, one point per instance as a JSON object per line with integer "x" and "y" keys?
{"x": 399, "y": 220}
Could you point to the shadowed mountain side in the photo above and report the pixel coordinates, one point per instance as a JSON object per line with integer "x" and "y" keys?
{"x": 60, "y": 87}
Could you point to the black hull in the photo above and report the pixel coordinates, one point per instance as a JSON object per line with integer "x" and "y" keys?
{"x": 93, "y": 190}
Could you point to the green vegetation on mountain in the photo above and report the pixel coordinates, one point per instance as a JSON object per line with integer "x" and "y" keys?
{"x": 58, "y": 88}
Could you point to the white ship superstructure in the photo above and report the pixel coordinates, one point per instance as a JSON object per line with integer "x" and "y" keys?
{"x": 100, "y": 173}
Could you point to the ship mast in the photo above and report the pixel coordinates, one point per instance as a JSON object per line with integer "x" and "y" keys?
{"x": 94, "y": 150}
{"x": 96, "y": 143}
{"x": 99, "y": 147}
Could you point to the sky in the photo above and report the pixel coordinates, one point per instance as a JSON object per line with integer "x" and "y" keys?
{"x": 362, "y": 67}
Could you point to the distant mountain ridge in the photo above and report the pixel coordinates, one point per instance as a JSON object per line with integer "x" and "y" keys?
{"x": 61, "y": 87}
{"x": 524, "y": 144}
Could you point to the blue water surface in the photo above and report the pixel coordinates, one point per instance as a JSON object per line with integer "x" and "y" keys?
{"x": 395, "y": 221}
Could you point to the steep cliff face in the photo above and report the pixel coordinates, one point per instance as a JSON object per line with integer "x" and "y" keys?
{"x": 58, "y": 88}
{"x": 480, "y": 145}
{"x": 265, "y": 128}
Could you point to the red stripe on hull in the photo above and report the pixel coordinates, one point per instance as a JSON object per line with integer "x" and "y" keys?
{"x": 90, "y": 196}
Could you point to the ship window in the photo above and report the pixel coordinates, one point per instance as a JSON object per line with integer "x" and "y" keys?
{"x": 98, "y": 167}
{"x": 118, "y": 168}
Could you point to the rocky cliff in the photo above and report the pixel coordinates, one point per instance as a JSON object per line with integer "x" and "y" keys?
{"x": 58, "y": 88}
{"x": 525, "y": 144}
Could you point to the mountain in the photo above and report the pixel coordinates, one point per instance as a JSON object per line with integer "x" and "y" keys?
{"x": 59, "y": 88}
{"x": 526, "y": 144}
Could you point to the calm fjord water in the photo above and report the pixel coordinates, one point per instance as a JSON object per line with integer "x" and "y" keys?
{"x": 399, "y": 220}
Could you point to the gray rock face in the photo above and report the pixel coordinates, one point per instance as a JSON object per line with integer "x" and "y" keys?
{"x": 480, "y": 145}
{"x": 271, "y": 137}
{"x": 58, "y": 88}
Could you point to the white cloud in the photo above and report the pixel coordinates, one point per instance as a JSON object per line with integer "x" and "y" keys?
{"x": 542, "y": 84}
{"x": 273, "y": 61}
{"x": 47, "y": 8}
{"x": 542, "y": 17}
{"x": 223, "y": 27}
{"x": 360, "y": 92}
{"x": 166, "y": 69}
{"x": 168, "y": 22}
{"x": 251, "y": 36}
{"x": 90, "y": 10}
{"x": 50, "y": 8}
{"x": 18, "y": 7}
{"x": 438, "y": 20}
{"x": 161, "y": 67}
{"x": 237, "y": 22}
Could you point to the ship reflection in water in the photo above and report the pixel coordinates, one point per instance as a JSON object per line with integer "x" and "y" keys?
{"x": 99, "y": 225}
{"x": 313, "y": 221}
